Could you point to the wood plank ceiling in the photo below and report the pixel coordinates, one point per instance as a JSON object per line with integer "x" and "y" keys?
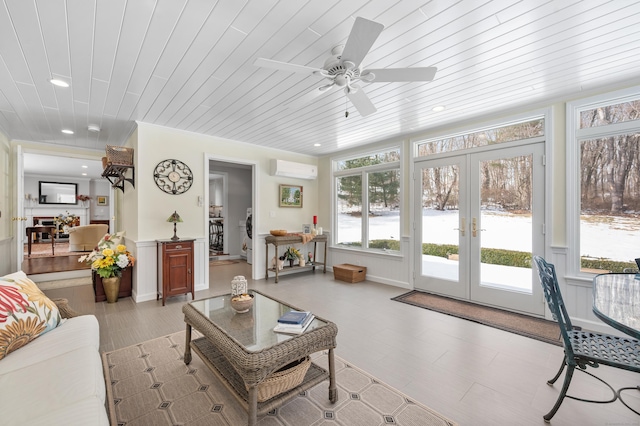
{"x": 188, "y": 64}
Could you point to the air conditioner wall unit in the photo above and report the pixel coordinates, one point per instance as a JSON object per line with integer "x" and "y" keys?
{"x": 293, "y": 170}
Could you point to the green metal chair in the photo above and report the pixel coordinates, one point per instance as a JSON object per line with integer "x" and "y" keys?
{"x": 584, "y": 349}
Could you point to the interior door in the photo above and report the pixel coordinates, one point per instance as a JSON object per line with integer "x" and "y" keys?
{"x": 480, "y": 220}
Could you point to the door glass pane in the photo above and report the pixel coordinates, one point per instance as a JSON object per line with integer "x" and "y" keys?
{"x": 384, "y": 210}
{"x": 349, "y": 218}
{"x": 505, "y": 225}
{"x": 440, "y": 220}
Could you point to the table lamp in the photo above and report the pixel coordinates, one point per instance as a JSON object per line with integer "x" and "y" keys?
{"x": 175, "y": 218}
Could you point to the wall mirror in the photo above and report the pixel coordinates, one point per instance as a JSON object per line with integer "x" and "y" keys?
{"x": 57, "y": 193}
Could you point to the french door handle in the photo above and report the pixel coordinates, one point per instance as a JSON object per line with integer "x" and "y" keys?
{"x": 474, "y": 227}
{"x": 463, "y": 226}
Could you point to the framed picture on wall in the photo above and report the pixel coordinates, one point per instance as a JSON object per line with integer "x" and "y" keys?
{"x": 102, "y": 200}
{"x": 290, "y": 196}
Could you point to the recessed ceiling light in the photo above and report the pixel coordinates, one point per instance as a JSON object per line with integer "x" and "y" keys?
{"x": 93, "y": 128}
{"x": 438, "y": 108}
{"x": 84, "y": 174}
{"x": 67, "y": 131}
{"x": 60, "y": 83}
{"x": 85, "y": 167}
{"x": 317, "y": 144}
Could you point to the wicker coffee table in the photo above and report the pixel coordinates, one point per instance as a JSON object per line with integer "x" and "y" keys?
{"x": 244, "y": 351}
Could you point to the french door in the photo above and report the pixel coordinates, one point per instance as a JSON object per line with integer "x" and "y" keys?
{"x": 479, "y": 220}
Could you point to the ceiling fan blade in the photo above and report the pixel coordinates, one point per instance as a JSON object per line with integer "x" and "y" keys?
{"x": 363, "y": 34}
{"x": 361, "y": 101}
{"x": 284, "y": 66}
{"x": 402, "y": 74}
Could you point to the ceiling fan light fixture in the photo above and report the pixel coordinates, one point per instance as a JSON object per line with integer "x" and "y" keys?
{"x": 367, "y": 76}
{"x": 93, "y": 128}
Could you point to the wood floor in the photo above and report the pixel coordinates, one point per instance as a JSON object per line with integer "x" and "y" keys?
{"x": 43, "y": 265}
{"x": 474, "y": 374}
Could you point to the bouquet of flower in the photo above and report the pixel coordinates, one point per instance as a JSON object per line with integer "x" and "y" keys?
{"x": 82, "y": 197}
{"x": 108, "y": 262}
{"x": 68, "y": 219}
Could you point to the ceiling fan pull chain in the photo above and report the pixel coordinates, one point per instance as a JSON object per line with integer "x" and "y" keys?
{"x": 346, "y": 111}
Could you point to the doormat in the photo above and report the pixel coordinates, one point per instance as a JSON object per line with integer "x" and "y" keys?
{"x": 535, "y": 328}
{"x": 222, "y": 262}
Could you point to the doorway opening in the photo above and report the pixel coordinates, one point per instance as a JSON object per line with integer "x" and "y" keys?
{"x": 229, "y": 199}
{"x": 85, "y": 173}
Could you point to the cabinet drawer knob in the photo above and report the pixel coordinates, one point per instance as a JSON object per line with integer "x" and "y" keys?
{"x": 178, "y": 247}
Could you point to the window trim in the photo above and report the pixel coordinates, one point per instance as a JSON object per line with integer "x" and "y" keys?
{"x": 574, "y": 135}
{"x": 363, "y": 173}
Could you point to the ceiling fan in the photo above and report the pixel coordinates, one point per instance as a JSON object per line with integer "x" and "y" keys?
{"x": 343, "y": 68}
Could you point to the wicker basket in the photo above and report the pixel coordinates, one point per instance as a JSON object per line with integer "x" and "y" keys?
{"x": 119, "y": 155}
{"x": 283, "y": 380}
{"x": 278, "y": 232}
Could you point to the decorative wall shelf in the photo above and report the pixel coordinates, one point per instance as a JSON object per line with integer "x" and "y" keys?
{"x": 116, "y": 174}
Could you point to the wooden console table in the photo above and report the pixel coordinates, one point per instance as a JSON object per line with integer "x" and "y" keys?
{"x": 289, "y": 240}
{"x": 37, "y": 230}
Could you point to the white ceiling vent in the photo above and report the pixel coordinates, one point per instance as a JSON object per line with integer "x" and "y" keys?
{"x": 293, "y": 170}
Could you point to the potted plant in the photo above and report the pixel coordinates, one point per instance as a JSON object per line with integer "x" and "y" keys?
{"x": 109, "y": 263}
{"x": 292, "y": 254}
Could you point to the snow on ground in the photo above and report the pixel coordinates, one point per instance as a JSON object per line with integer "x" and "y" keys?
{"x": 616, "y": 238}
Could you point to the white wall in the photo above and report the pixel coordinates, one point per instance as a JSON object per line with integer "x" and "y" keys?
{"x": 145, "y": 209}
{"x": 99, "y": 187}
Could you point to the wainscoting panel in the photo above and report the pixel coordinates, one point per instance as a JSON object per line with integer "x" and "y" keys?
{"x": 577, "y": 294}
{"x": 145, "y": 273}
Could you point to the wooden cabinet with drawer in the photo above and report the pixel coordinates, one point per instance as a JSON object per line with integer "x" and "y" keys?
{"x": 175, "y": 268}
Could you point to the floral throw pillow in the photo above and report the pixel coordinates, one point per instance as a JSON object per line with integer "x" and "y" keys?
{"x": 111, "y": 240}
{"x": 25, "y": 312}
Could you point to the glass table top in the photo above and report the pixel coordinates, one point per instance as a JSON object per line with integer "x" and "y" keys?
{"x": 616, "y": 300}
{"x": 253, "y": 329}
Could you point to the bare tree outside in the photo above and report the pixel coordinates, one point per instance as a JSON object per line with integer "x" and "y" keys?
{"x": 610, "y": 180}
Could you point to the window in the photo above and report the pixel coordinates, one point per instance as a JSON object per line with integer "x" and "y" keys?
{"x": 368, "y": 184}
{"x": 490, "y": 136}
{"x": 604, "y": 182}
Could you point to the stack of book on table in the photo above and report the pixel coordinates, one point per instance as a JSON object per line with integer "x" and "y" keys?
{"x": 294, "y": 322}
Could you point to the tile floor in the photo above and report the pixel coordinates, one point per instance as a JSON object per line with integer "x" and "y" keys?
{"x": 475, "y": 375}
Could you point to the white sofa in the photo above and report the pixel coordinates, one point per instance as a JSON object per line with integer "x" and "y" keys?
{"x": 57, "y": 379}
